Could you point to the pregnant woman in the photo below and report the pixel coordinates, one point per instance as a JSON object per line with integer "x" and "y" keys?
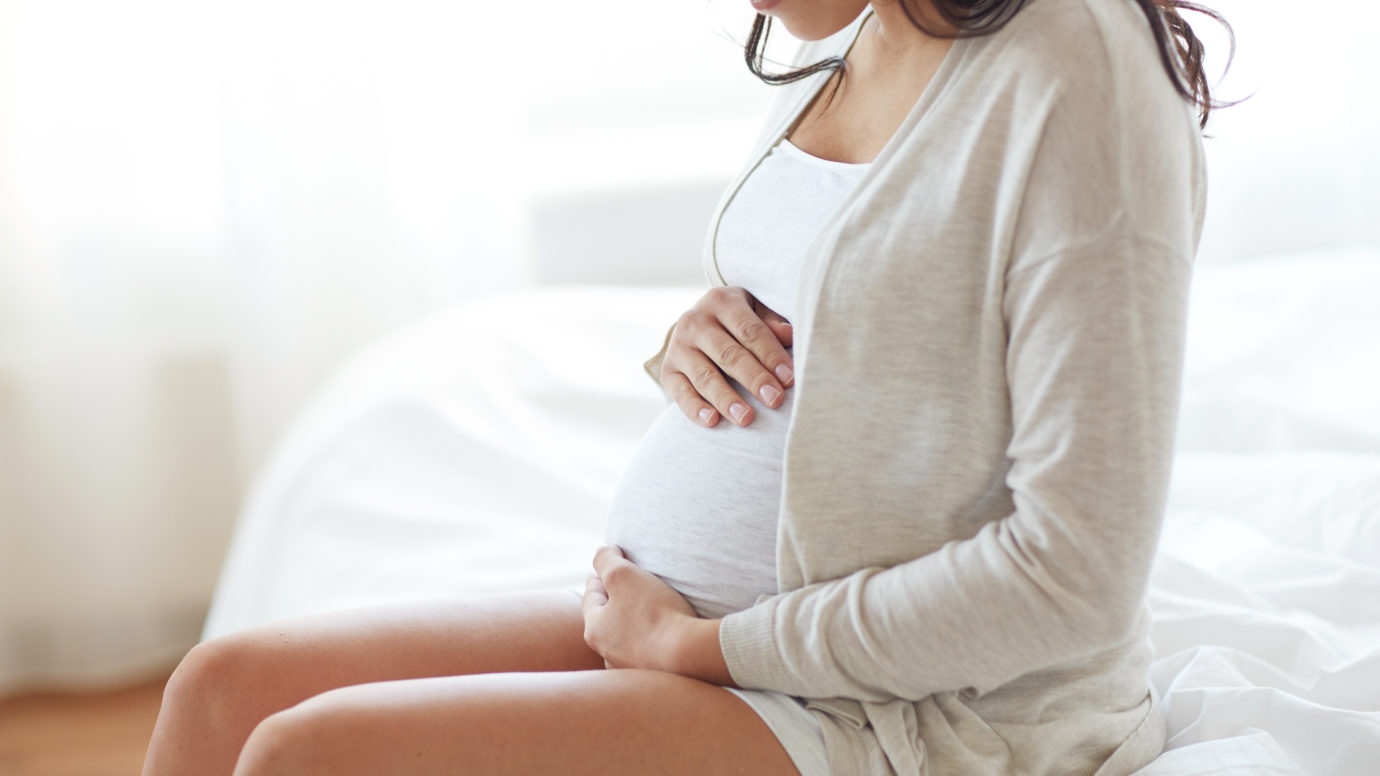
{"x": 900, "y": 515}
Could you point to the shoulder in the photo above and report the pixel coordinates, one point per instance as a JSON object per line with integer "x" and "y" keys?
{"x": 1094, "y": 60}
{"x": 1091, "y": 44}
{"x": 1104, "y": 137}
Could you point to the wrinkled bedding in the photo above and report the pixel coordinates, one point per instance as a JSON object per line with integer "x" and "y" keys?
{"x": 478, "y": 451}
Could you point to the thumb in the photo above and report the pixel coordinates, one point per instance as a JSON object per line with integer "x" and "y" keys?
{"x": 606, "y": 556}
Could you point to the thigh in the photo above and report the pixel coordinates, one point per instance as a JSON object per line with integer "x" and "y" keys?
{"x": 627, "y": 721}
{"x": 278, "y": 664}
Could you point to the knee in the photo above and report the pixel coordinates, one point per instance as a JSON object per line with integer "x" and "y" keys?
{"x": 276, "y": 746}
{"x": 212, "y": 680}
{"x": 312, "y": 737}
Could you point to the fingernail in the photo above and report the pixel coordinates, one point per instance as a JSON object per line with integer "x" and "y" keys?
{"x": 737, "y": 410}
{"x": 783, "y": 373}
{"x": 768, "y": 393}
{"x": 706, "y": 414}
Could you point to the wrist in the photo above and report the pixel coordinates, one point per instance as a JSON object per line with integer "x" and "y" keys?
{"x": 697, "y": 654}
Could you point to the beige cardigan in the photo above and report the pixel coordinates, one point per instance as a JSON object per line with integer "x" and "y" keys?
{"x": 988, "y": 349}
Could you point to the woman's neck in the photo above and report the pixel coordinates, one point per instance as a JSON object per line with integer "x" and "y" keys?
{"x": 891, "y": 39}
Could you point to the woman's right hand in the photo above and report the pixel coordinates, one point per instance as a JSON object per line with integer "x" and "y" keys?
{"x": 727, "y": 332}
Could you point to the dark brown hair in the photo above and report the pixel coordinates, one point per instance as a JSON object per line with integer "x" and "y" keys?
{"x": 1181, "y": 52}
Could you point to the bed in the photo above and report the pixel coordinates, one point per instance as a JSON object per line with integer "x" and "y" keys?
{"x": 478, "y": 450}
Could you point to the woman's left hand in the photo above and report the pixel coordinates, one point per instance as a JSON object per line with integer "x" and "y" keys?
{"x": 632, "y": 618}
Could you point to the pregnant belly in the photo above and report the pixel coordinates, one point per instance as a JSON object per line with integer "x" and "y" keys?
{"x": 698, "y": 506}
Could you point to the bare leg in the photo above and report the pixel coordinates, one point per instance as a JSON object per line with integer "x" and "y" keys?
{"x": 607, "y": 723}
{"x": 224, "y": 687}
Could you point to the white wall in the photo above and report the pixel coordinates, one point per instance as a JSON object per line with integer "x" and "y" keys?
{"x": 1297, "y": 165}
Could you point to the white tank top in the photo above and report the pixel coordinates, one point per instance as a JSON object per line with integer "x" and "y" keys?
{"x": 698, "y": 506}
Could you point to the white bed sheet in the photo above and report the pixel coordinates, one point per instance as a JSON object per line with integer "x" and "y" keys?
{"x": 478, "y": 451}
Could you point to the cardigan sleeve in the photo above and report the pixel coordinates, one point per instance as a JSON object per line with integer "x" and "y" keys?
{"x": 1094, "y": 363}
{"x": 652, "y": 366}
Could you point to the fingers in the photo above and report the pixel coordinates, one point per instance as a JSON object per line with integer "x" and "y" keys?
{"x": 727, "y": 335}
{"x": 595, "y": 595}
{"x": 607, "y": 559}
{"x": 748, "y": 324}
{"x": 701, "y": 380}
{"x": 683, "y": 393}
{"x": 747, "y": 367}
{"x": 781, "y": 327}
{"x": 594, "y": 586}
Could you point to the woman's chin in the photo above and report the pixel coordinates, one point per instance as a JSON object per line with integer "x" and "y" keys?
{"x": 810, "y": 23}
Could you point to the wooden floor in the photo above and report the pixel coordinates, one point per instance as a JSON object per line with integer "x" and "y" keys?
{"x": 101, "y": 734}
